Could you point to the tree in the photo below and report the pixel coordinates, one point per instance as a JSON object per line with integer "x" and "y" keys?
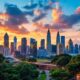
{"x": 32, "y": 59}
{"x": 73, "y": 68}
{"x": 60, "y": 74}
{"x": 27, "y": 71}
{"x": 63, "y": 61}
{"x": 1, "y": 58}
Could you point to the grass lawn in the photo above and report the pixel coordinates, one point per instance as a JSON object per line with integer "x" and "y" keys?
{"x": 43, "y": 60}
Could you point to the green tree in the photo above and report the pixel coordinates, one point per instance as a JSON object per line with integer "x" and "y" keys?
{"x": 1, "y": 58}
{"x": 27, "y": 71}
{"x": 73, "y": 68}
{"x": 63, "y": 61}
{"x": 60, "y": 74}
{"x": 32, "y": 60}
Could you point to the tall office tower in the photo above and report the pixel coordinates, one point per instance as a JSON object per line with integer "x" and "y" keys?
{"x": 60, "y": 49}
{"x": 54, "y": 49}
{"x": 42, "y": 44}
{"x": 33, "y": 47}
{"x": 79, "y": 49}
{"x": 76, "y": 48}
{"x": 15, "y": 43}
{"x": 70, "y": 46}
{"x": 12, "y": 48}
{"x": 49, "y": 47}
{"x": 58, "y": 38}
{"x": 6, "y": 45}
{"x": 23, "y": 46}
{"x": 6, "y": 41}
{"x": 63, "y": 42}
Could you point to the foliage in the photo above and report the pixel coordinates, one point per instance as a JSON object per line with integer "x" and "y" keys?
{"x": 73, "y": 68}
{"x": 60, "y": 74}
{"x": 42, "y": 76}
{"x": 61, "y": 60}
{"x": 1, "y": 58}
{"x": 32, "y": 59}
{"x": 27, "y": 71}
{"x": 75, "y": 59}
{"x": 21, "y": 71}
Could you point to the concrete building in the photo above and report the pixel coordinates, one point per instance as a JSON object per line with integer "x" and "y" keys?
{"x": 23, "y": 46}
{"x": 33, "y": 47}
{"x": 49, "y": 47}
{"x": 60, "y": 49}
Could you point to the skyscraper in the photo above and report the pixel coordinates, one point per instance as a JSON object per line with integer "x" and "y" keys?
{"x": 76, "y": 48}
{"x": 15, "y": 43}
{"x": 71, "y": 46}
{"x": 49, "y": 47}
{"x": 12, "y": 47}
{"x": 6, "y": 41}
{"x": 60, "y": 49}
{"x": 54, "y": 49}
{"x": 6, "y": 45}
{"x": 33, "y": 47}
{"x": 63, "y": 42}
{"x": 58, "y": 38}
{"x": 23, "y": 46}
{"x": 42, "y": 44}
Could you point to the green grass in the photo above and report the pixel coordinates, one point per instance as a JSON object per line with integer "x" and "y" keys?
{"x": 42, "y": 76}
{"x": 42, "y": 60}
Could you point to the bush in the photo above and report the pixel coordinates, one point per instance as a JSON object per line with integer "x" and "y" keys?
{"x": 73, "y": 68}
{"x": 60, "y": 74}
{"x": 62, "y": 59}
{"x": 32, "y": 60}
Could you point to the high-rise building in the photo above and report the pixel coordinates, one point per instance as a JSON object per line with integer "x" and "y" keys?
{"x": 58, "y": 38}
{"x": 54, "y": 49}
{"x": 12, "y": 48}
{"x": 70, "y": 46}
{"x": 23, "y": 46}
{"x": 15, "y": 43}
{"x": 60, "y": 49}
{"x": 76, "y": 48}
{"x": 63, "y": 42}
{"x": 33, "y": 47}
{"x": 42, "y": 44}
{"x": 6, "y": 45}
{"x": 6, "y": 41}
{"x": 79, "y": 49}
{"x": 49, "y": 47}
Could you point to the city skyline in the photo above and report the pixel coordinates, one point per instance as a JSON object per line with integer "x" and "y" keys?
{"x": 36, "y": 25}
{"x": 44, "y": 43}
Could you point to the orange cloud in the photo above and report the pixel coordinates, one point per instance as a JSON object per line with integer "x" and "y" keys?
{"x": 56, "y": 14}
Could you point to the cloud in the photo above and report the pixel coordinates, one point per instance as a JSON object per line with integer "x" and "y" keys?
{"x": 30, "y": 7}
{"x": 77, "y": 10}
{"x": 71, "y": 20}
{"x": 30, "y": 13}
{"x": 17, "y": 16}
{"x": 62, "y": 20}
{"x": 13, "y": 18}
{"x": 39, "y": 17}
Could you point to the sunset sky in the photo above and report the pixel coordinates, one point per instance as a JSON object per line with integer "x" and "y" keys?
{"x": 23, "y": 18}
